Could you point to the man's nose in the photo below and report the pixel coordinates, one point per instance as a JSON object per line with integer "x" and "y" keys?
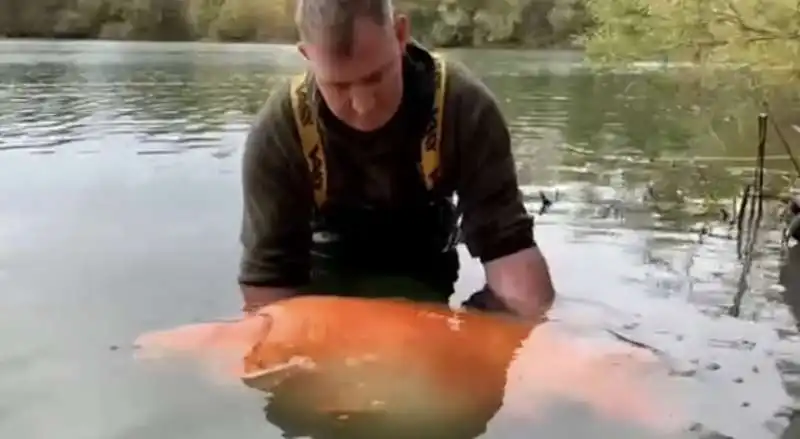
{"x": 362, "y": 100}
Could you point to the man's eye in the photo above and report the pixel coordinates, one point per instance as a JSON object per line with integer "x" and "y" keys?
{"x": 373, "y": 78}
{"x": 339, "y": 87}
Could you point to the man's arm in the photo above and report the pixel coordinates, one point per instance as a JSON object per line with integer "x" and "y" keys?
{"x": 522, "y": 281}
{"x": 275, "y": 232}
{"x": 496, "y": 225}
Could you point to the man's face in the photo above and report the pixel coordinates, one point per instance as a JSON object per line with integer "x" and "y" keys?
{"x": 363, "y": 90}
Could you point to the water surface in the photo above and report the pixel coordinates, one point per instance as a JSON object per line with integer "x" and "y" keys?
{"x": 120, "y": 209}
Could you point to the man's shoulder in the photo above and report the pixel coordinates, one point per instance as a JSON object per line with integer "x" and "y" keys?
{"x": 464, "y": 88}
{"x": 272, "y": 132}
{"x": 277, "y": 109}
{"x": 473, "y": 120}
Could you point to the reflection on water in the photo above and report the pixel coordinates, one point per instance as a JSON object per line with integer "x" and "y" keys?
{"x": 119, "y": 211}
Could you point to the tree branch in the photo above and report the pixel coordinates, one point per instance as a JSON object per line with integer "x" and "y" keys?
{"x": 765, "y": 34}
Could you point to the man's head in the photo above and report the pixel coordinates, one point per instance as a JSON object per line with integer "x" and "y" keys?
{"x": 355, "y": 50}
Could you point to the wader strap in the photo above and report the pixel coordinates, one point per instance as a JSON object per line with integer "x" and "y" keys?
{"x": 432, "y": 139}
{"x": 306, "y": 122}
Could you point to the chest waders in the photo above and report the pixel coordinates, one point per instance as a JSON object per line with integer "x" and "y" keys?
{"x": 407, "y": 250}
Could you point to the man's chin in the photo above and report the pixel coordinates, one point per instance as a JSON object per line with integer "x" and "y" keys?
{"x": 367, "y": 126}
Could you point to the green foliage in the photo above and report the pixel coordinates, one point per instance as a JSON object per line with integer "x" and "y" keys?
{"x": 436, "y": 22}
{"x": 201, "y": 16}
{"x": 252, "y": 20}
{"x": 761, "y": 38}
{"x": 728, "y": 59}
{"x": 568, "y": 18}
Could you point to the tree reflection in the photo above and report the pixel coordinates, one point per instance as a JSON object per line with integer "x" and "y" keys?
{"x": 179, "y": 104}
{"x": 678, "y": 146}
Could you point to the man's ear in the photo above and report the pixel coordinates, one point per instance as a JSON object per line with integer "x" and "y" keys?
{"x": 402, "y": 28}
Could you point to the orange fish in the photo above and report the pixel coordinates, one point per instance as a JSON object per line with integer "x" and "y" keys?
{"x": 422, "y": 363}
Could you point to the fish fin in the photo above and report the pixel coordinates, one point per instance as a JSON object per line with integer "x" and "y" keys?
{"x": 267, "y": 379}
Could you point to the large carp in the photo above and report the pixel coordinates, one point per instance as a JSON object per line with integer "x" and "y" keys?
{"x": 422, "y": 363}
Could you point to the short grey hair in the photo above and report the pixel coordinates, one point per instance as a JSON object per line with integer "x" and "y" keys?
{"x": 332, "y": 22}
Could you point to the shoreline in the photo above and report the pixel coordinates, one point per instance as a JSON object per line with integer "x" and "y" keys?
{"x": 289, "y": 42}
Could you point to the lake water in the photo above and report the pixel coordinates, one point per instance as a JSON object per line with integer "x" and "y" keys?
{"x": 120, "y": 211}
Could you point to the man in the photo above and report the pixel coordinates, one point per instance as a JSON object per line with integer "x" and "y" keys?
{"x": 349, "y": 172}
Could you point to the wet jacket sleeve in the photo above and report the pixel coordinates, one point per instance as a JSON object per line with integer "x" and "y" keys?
{"x": 275, "y": 230}
{"x": 495, "y": 222}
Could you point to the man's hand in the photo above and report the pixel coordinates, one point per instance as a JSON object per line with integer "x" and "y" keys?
{"x": 257, "y": 297}
{"x": 522, "y": 281}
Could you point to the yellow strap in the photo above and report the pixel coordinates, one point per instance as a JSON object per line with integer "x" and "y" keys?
{"x": 432, "y": 139}
{"x": 306, "y": 123}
